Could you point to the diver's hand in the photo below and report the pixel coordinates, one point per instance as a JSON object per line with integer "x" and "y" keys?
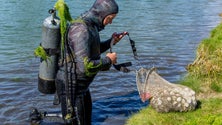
{"x": 112, "y": 56}
{"x": 118, "y": 36}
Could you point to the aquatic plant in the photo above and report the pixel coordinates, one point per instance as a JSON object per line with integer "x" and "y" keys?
{"x": 65, "y": 18}
{"x": 40, "y": 52}
{"x": 90, "y": 68}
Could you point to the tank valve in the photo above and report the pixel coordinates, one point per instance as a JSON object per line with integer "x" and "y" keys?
{"x": 53, "y": 13}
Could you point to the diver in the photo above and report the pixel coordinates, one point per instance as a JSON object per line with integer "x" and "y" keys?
{"x": 85, "y": 46}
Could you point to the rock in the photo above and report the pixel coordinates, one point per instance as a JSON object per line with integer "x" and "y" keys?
{"x": 164, "y": 96}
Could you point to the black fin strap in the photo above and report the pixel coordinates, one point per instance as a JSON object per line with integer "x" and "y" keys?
{"x": 132, "y": 43}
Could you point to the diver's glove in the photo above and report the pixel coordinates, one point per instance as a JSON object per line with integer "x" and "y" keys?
{"x": 118, "y": 36}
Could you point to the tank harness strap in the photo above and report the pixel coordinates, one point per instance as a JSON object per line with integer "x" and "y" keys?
{"x": 62, "y": 61}
{"x": 51, "y": 51}
{"x": 132, "y": 43}
{"x": 70, "y": 86}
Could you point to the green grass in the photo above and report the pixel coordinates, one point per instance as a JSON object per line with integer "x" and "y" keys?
{"x": 207, "y": 67}
{"x": 204, "y": 115}
{"x": 193, "y": 82}
{"x": 202, "y": 84}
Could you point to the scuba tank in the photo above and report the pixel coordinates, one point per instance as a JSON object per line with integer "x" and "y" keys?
{"x": 50, "y": 42}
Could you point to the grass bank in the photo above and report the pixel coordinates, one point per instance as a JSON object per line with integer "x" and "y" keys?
{"x": 205, "y": 78}
{"x": 208, "y": 114}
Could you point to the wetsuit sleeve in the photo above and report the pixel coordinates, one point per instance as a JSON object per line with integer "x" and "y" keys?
{"x": 105, "y": 45}
{"x": 92, "y": 66}
{"x": 81, "y": 43}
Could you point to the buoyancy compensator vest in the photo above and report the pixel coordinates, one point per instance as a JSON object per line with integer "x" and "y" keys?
{"x": 51, "y": 40}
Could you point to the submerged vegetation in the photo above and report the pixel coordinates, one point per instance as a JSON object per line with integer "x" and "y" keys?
{"x": 205, "y": 78}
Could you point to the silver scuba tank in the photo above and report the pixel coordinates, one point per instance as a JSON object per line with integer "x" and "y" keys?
{"x": 50, "y": 42}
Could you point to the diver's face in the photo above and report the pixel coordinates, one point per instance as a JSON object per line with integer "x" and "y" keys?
{"x": 108, "y": 19}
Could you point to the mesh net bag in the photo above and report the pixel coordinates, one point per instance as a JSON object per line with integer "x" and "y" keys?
{"x": 163, "y": 95}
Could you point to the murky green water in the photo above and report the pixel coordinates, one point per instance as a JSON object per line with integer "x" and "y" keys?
{"x": 166, "y": 33}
